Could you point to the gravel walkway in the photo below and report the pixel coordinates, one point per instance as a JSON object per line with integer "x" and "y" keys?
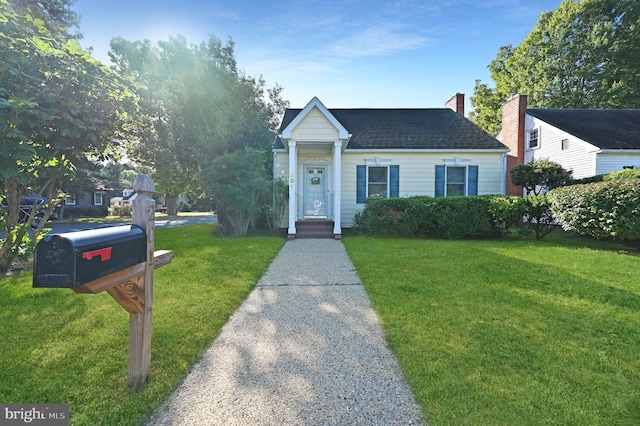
{"x": 305, "y": 348}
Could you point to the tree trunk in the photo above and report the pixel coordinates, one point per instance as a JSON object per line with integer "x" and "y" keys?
{"x": 172, "y": 204}
{"x": 10, "y": 223}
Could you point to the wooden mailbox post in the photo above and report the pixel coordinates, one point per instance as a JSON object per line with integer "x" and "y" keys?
{"x": 143, "y": 214}
{"x": 131, "y": 286}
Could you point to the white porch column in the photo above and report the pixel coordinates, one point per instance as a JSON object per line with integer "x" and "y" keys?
{"x": 337, "y": 188}
{"x": 293, "y": 196}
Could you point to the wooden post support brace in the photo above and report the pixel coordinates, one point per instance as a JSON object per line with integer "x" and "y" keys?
{"x": 143, "y": 215}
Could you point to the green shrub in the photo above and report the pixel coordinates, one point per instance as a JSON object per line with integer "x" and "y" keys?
{"x": 463, "y": 217}
{"x": 620, "y": 175}
{"x": 384, "y": 216}
{"x": 97, "y": 212}
{"x": 450, "y": 217}
{"x": 506, "y": 211}
{"x": 623, "y": 175}
{"x": 123, "y": 210}
{"x": 539, "y": 216}
{"x": 590, "y": 179}
{"x": 604, "y": 210}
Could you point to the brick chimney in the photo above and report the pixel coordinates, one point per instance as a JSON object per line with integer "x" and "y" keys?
{"x": 456, "y": 103}
{"x": 513, "y": 113}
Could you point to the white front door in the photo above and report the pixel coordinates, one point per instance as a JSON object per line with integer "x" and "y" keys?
{"x": 315, "y": 197}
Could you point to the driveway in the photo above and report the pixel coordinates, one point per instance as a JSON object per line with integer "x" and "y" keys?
{"x": 162, "y": 222}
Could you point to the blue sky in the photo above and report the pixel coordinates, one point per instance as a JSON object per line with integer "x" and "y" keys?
{"x": 348, "y": 53}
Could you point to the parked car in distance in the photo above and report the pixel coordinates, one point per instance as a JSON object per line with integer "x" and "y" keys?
{"x": 26, "y": 204}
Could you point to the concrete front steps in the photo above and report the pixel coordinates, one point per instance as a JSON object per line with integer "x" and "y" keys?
{"x": 314, "y": 229}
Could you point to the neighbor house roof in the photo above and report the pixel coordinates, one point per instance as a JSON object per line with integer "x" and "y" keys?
{"x": 438, "y": 128}
{"x": 606, "y": 129}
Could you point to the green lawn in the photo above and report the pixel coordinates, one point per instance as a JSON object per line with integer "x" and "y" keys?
{"x": 62, "y": 347}
{"x": 510, "y": 332}
{"x": 487, "y": 332}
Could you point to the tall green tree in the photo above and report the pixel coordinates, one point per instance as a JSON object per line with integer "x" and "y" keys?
{"x": 582, "y": 55}
{"x": 56, "y": 15}
{"x": 200, "y": 104}
{"x": 60, "y": 109}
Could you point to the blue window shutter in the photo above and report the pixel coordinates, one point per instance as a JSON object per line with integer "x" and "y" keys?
{"x": 394, "y": 181}
{"x": 440, "y": 180}
{"x": 473, "y": 180}
{"x": 361, "y": 184}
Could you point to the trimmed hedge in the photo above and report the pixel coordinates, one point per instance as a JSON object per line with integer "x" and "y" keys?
{"x": 449, "y": 217}
{"x": 390, "y": 216}
{"x": 604, "y": 210}
{"x": 619, "y": 175}
{"x": 622, "y": 175}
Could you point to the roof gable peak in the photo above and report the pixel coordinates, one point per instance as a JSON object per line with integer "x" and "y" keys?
{"x": 315, "y": 103}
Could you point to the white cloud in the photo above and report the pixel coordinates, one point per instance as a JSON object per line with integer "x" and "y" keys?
{"x": 378, "y": 40}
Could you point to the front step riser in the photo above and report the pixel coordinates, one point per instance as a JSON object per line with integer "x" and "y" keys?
{"x": 314, "y": 229}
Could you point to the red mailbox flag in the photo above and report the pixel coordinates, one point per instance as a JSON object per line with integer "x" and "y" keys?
{"x": 105, "y": 254}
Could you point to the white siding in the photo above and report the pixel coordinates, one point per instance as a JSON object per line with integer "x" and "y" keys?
{"x": 580, "y": 157}
{"x": 314, "y": 127}
{"x": 417, "y": 174}
{"x": 607, "y": 162}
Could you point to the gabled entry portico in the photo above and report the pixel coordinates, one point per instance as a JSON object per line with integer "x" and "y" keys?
{"x": 315, "y": 141}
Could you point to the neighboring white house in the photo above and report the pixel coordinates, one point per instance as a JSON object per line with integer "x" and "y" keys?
{"x": 333, "y": 159}
{"x": 588, "y": 142}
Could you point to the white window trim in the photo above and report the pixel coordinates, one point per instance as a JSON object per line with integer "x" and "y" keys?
{"x": 457, "y": 161}
{"x": 466, "y": 177}
{"x": 367, "y": 177}
{"x": 95, "y": 198}
{"x": 528, "y": 139}
{"x": 378, "y": 161}
{"x": 70, "y": 200}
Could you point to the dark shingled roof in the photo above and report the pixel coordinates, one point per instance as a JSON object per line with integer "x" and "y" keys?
{"x": 606, "y": 129}
{"x": 406, "y": 129}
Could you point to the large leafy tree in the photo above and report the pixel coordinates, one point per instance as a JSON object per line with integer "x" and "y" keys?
{"x": 582, "y": 55}
{"x": 57, "y": 15}
{"x": 59, "y": 110}
{"x": 201, "y": 107}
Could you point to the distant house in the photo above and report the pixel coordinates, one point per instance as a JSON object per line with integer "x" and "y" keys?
{"x": 92, "y": 203}
{"x": 116, "y": 204}
{"x": 588, "y": 142}
{"x": 333, "y": 159}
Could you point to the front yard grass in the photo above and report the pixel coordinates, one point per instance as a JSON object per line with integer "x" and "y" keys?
{"x": 62, "y": 347}
{"x": 510, "y": 332}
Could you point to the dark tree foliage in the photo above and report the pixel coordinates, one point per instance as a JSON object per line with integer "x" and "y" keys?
{"x": 200, "y": 107}
{"x": 539, "y": 176}
{"x": 582, "y": 55}
{"x": 56, "y": 15}
{"x": 60, "y": 110}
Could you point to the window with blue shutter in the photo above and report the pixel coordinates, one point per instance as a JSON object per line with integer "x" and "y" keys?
{"x": 456, "y": 180}
{"x": 394, "y": 181}
{"x": 361, "y": 184}
{"x": 377, "y": 182}
{"x": 440, "y": 169}
{"x": 473, "y": 180}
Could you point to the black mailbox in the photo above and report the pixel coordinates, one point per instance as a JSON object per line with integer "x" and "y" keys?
{"x": 72, "y": 259}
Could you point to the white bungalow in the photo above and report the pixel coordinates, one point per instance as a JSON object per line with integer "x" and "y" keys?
{"x": 333, "y": 159}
